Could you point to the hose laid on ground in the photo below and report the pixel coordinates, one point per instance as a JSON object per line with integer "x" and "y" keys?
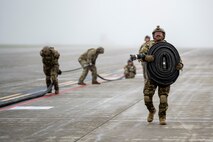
{"x": 163, "y": 69}
{"x": 28, "y": 97}
{"x": 110, "y": 79}
{"x": 72, "y": 70}
{"x": 97, "y": 75}
{"x": 42, "y": 93}
{"x": 49, "y": 89}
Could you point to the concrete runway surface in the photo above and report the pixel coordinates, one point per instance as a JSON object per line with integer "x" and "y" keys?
{"x": 110, "y": 112}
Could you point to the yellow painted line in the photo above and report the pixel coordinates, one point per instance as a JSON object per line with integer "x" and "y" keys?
{"x": 15, "y": 97}
{"x": 10, "y": 96}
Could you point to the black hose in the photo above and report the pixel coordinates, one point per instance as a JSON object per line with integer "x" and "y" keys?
{"x": 163, "y": 69}
{"x": 42, "y": 93}
{"x": 72, "y": 70}
{"x": 48, "y": 89}
{"x": 97, "y": 75}
{"x": 28, "y": 97}
{"x": 110, "y": 79}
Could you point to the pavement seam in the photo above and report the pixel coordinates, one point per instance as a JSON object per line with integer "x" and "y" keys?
{"x": 109, "y": 120}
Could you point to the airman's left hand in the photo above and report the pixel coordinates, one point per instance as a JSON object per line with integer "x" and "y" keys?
{"x": 179, "y": 66}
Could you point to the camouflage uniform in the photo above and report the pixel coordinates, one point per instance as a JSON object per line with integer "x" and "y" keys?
{"x": 150, "y": 87}
{"x": 50, "y": 66}
{"x": 130, "y": 71}
{"x": 149, "y": 90}
{"x": 145, "y": 76}
{"x": 87, "y": 61}
{"x": 144, "y": 63}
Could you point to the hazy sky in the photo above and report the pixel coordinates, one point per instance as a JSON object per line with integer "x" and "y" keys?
{"x": 188, "y": 23}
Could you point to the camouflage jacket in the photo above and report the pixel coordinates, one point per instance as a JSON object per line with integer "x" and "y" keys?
{"x": 142, "y": 46}
{"x": 89, "y": 56}
{"x": 49, "y": 56}
{"x": 130, "y": 68}
{"x": 146, "y": 46}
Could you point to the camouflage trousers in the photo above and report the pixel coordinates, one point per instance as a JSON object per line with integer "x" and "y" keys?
{"x": 51, "y": 73}
{"x": 163, "y": 92}
{"x": 129, "y": 74}
{"x": 145, "y": 76}
{"x": 86, "y": 70}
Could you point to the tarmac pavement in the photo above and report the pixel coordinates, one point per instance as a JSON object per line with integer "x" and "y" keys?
{"x": 110, "y": 112}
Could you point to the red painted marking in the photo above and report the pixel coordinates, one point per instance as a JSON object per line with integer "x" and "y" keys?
{"x": 40, "y": 98}
{"x": 43, "y": 97}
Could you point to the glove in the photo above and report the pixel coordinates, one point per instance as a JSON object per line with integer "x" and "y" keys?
{"x": 133, "y": 57}
{"x": 179, "y": 66}
{"x": 149, "y": 58}
{"x": 91, "y": 67}
{"x": 59, "y": 72}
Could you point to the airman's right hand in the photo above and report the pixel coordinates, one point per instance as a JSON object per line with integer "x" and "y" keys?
{"x": 133, "y": 57}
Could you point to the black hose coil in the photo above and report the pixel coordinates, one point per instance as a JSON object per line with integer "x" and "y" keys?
{"x": 163, "y": 69}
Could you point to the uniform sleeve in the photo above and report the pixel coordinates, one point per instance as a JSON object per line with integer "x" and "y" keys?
{"x": 41, "y": 53}
{"x": 90, "y": 55}
{"x": 57, "y": 54}
{"x": 125, "y": 68}
{"x": 144, "y": 49}
{"x": 141, "y": 49}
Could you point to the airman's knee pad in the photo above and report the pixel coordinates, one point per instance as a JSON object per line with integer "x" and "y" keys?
{"x": 163, "y": 99}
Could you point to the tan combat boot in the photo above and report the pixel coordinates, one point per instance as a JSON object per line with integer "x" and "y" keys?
{"x": 81, "y": 83}
{"x": 151, "y": 116}
{"x": 56, "y": 91}
{"x": 162, "y": 120}
{"x": 95, "y": 82}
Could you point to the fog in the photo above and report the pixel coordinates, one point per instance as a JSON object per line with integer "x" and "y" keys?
{"x": 188, "y": 23}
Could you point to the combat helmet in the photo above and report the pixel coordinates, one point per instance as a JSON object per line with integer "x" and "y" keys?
{"x": 159, "y": 29}
{"x": 46, "y": 50}
{"x": 100, "y": 50}
{"x": 128, "y": 61}
{"x": 147, "y": 36}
